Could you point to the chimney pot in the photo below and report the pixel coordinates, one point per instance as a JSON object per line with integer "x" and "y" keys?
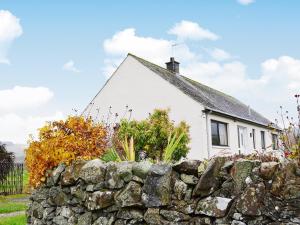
{"x": 173, "y": 65}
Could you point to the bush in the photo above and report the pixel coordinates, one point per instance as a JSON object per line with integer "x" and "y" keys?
{"x": 290, "y": 134}
{"x": 63, "y": 142}
{"x": 6, "y": 160}
{"x": 152, "y": 134}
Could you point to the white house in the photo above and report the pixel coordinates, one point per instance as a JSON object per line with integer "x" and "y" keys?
{"x": 218, "y": 122}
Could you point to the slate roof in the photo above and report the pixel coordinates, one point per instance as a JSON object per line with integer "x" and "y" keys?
{"x": 212, "y": 99}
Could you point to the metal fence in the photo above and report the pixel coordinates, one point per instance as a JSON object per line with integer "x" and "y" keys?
{"x": 11, "y": 178}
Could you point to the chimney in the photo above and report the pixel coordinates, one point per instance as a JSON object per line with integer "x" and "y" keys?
{"x": 173, "y": 66}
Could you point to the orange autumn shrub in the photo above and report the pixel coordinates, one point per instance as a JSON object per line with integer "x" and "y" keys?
{"x": 62, "y": 142}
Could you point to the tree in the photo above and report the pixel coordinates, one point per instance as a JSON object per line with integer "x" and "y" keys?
{"x": 6, "y": 161}
{"x": 62, "y": 142}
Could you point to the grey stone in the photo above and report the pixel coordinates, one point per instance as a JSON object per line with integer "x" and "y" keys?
{"x": 78, "y": 209}
{"x": 60, "y": 220}
{"x": 250, "y": 202}
{"x": 180, "y": 189}
{"x": 104, "y": 220}
{"x": 137, "y": 179}
{"x": 93, "y": 171}
{"x": 78, "y": 192}
{"x": 227, "y": 165}
{"x": 240, "y": 171}
{"x": 291, "y": 189}
{"x": 72, "y": 173}
{"x": 236, "y": 222}
{"x": 57, "y": 197}
{"x": 39, "y": 194}
{"x": 85, "y": 219}
{"x": 37, "y": 210}
{"x": 141, "y": 169}
{"x": 267, "y": 169}
{"x": 130, "y": 195}
{"x": 157, "y": 187}
{"x": 118, "y": 174}
{"x": 208, "y": 181}
{"x": 120, "y": 222}
{"x": 189, "y": 179}
{"x": 188, "y": 194}
{"x": 213, "y": 206}
{"x": 99, "y": 200}
{"x": 90, "y": 188}
{"x": 200, "y": 221}
{"x": 73, "y": 220}
{"x": 153, "y": 217}
{"x": 57, "y": 172}
{"x": 66, "y": 212}
{"x": 183, "y": 206}
{"x": 48, "y": 213}
{"x": 237, "y": 216}
{"x": 188, "y": 167}
{"x": 112, "y": 208}
{"x": 130, "y": 214}
{"x": 174, "y": 216}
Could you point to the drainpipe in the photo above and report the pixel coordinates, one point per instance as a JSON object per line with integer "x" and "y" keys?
{"x": 207, "y": 112}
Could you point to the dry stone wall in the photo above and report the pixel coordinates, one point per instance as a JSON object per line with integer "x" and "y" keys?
{"x": 192, "y": 192}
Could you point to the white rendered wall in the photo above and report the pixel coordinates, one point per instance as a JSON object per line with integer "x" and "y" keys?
{"x": 143, "y": 91}
{"x": 233, "y": 136}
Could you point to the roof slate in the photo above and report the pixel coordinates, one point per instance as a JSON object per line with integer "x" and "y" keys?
{"x": 212, "y": 99}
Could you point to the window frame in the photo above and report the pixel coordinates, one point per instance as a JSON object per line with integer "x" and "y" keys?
{"x": 218, "y": 131}
{"x": 253, "y": 138}
{"x": 275, "y": 145}
{"x": 263, "y": 139}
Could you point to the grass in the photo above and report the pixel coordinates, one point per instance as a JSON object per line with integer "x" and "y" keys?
{"x": 12, "y": 203}
{"x": 15, "y": 220}
{"x": 12, "y": 197}
{"x": 7, "y": 207}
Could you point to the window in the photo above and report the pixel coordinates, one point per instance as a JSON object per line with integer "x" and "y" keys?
{"x": 253, "y": 138}
{"x": 219, "y": 133}
{"x": 241, "y": 136}
{"x": 263, "y": 141}
{"x": 275, "y": 141}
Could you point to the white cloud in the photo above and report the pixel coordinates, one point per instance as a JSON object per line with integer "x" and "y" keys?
{"x": 190, "y": 30}
{"x": 219, "y": 54}
{"x": 70, "y": 66}
{"x": 16, "y": 128}
{"x": 245, "y": 2}
{"x": 19, "y": 114}
{"x": 276, "y": 85}
{"x": 154, "y": 49}
{"x": 10, "y": 29}
{"x": 19, "y": 98}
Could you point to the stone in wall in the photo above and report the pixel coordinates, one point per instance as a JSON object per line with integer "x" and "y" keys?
{"x": 240, "y": 192}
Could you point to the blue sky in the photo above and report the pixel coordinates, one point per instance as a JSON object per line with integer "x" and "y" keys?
{"x": 60, "y": 53}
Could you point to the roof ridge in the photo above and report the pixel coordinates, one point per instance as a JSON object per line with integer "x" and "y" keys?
{"x": 150, "y": 63}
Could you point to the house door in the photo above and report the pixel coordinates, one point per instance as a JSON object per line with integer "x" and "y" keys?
{"x": 242, "y": 134}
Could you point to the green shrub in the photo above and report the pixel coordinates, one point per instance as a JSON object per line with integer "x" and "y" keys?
{"x": 152, "y": 134}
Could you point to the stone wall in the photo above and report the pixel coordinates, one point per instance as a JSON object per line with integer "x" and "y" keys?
{"x": 191, "y": 192}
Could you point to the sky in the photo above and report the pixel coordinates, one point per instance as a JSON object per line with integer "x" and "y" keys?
{"x": 56, "y": 55}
